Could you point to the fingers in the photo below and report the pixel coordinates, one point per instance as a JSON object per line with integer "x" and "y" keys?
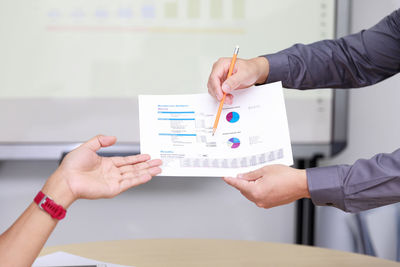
{"x": 214, "y": 87}
{"x": 251, "y": 190}
{"x": 106, "y": 141}
{"x": 218, "y": 75}
{"x": 143, "y": 169}
{"x": 245, "y": 74}
{"x": 231, "y": 83}
{"x": 136, "y": 170}
{"x": 153, "y": 171}
{"x": 132, "y": 179}
{"x": 99, "y": 141}
{"x": 122, "y": 161}
{"x": 137, "y": 173}
{"x": 253, "y": 175}
{"x": 140, "y": 166}
{"x": 129, "y": 183}
{"x": 229, "y": 99}
{"x": 242, "y": 185}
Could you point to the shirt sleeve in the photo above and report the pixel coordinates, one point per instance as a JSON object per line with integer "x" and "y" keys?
{"x": 353, "y": 61}
{"x": 364, "y": 185}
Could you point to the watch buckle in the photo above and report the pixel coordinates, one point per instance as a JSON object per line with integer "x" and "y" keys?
{"x": 43, "y": 201}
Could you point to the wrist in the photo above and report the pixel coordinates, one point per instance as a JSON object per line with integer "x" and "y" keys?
{"x": 305, "y": 193}
{"x": 262, "y": 66}
{"x": 58, "y": 189}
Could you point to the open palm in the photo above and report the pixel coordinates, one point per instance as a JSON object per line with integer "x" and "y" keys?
{"x": 91, "y": 176}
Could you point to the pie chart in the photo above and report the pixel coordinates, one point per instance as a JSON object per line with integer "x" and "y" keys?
{"x": 234, "y": 142}
{"x": 232, "y": 117}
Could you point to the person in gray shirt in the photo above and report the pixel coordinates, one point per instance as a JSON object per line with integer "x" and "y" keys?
{"x": 357, "y": 60}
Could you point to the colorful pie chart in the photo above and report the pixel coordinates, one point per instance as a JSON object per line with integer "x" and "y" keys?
{"x": 232, "y": 117}
{"x": 234, "y": 142}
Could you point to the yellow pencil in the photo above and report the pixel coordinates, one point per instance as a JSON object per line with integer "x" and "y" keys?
{"x": 221, "y": 104}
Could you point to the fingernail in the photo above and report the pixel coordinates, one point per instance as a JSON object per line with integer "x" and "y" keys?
{"x": 239, "y": 176}
{"x": 226, "y": 88}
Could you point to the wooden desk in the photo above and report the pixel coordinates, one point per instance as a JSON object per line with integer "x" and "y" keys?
{"x": 206, "y": 252}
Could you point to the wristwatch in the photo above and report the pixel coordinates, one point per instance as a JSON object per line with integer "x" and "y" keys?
{"x": 47, "y": 204}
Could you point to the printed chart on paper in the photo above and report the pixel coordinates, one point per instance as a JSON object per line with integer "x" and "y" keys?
{"x": 252, "y": 132}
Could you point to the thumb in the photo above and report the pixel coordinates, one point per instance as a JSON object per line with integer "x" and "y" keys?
{"x": 99, "y": 141}
{"x": 251, "y": 176}
{"x": 241, "y": 185}
{"x": 233, "y": 82}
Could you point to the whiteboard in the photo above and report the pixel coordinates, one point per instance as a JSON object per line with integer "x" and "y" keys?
{"x": 73, "y": 69}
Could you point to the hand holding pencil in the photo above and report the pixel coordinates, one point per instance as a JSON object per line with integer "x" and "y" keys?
{"x": 221, "y": 104}
{"x": 246, "y": 73}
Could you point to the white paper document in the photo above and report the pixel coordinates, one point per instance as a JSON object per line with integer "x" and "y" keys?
{"x": 252, "y": 132}
{"x": 61, "y": 258}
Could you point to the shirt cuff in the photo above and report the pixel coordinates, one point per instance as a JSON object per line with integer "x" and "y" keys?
{"x": 278, "y": 67}
{"x": 324, "y": 185}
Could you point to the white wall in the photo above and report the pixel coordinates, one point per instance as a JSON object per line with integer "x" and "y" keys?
{"x": 374, "y": 127}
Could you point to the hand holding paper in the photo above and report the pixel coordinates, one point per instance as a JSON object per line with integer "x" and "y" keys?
{"x": 272, "y": 185}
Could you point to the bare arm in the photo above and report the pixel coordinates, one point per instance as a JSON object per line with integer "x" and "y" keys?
{"x": 82, "y": 174}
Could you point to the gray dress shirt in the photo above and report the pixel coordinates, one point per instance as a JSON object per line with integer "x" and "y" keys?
{"x": 354, "y": 61}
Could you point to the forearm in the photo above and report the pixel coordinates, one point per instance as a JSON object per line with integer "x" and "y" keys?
{"x": 22, "y": 242}
{"x": 364, "y": 185}
{"x": 82, "y": 174}
{"x": 356, "y": 60}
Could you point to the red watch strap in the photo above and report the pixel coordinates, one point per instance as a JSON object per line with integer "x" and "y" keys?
{"x": 47, "y": 204}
